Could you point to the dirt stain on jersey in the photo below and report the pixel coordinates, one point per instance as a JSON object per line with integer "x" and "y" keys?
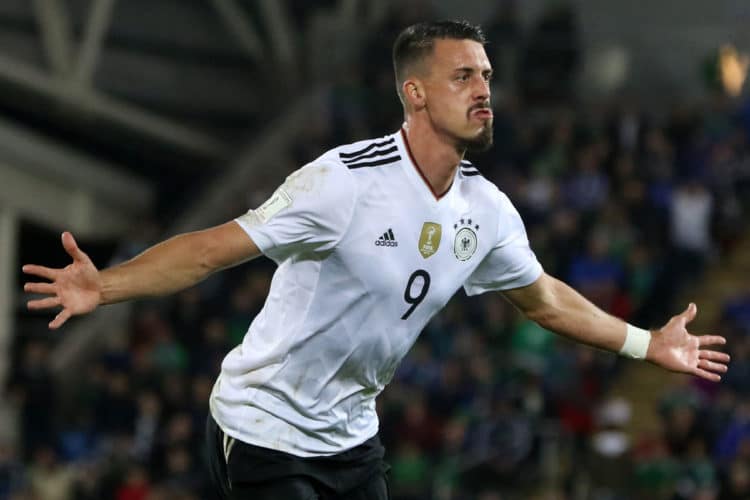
{"x": 306, "y": 179}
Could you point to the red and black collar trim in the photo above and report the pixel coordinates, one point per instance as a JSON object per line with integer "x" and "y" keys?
{"x": 419, "y": 170}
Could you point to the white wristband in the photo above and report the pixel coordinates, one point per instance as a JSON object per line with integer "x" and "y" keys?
{"x": 636, "y": 343}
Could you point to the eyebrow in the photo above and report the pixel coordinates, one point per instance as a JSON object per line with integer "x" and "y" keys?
{"x": 468, "y": 69}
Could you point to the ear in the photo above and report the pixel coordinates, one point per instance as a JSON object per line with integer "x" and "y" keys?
{"x": 414, "y": 93}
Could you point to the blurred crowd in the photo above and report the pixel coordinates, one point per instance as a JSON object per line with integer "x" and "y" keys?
{"x": 626, "y": 204}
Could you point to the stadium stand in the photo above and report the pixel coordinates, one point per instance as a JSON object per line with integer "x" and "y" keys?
{"x": 631, "y": 205}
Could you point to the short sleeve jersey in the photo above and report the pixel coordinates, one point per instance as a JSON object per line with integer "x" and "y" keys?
{"x": 366, "y": 256}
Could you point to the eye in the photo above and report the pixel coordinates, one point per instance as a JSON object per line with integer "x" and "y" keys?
{"x": 463, "y": 77}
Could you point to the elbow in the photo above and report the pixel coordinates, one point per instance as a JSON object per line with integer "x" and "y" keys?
{"x": 221, "y": 247}
{"x": 547, "y": 309}
{"x": 208, "y": 261}
{"x": 543, "y": 316}
{"x": 202, "y": 259}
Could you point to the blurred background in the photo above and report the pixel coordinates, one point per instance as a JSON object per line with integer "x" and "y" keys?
{"x": 622, "y": 134}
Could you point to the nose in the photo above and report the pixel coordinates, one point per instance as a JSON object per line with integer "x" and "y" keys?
{"x": 482, "y": 90}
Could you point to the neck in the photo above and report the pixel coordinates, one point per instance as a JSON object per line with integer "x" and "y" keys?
{"x": 436, "y": 158}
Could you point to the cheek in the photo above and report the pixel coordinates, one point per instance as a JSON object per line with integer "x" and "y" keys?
{"x": 448, "y": 107}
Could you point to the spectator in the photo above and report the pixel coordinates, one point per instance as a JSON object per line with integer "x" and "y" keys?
{"x": 691, "y": 211}
{"x": 35, "y": 387}
{"x": 136, "y": 485}
{"x": 597, "y": 275}
{"x": 12, "y": 472}
{"x": 49, "y": 478}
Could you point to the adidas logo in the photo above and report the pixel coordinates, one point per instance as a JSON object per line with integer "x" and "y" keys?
{"x": 387, "y": 240}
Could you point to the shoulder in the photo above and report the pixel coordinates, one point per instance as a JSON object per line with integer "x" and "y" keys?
{"x": 469, "y": 171}
{"x": 474, "y": 184}
{"x": 366, "y": 153}
{"x": 477, "y": 187}
{"x": 332, "y": 176}
{"x": 473, "y": 179}
{"x": 321, "y": 181}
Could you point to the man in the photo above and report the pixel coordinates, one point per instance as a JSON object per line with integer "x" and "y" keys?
{"x": 371, "y": 239}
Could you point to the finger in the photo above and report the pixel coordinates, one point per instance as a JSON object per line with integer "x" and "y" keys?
{"x": 70, "y": 245}
{"x": 43, "y": 303}
{"x": 41, "y": 271}
{"x": 714, "y": 356}
{"x": 39, "y": 288}
{"x": 61, "y": 318}
{"x": 704, "y": 340}
{"x": 706, "y": 375}
{"x": 711, "y": 366}
{"x": 689, "y": 314}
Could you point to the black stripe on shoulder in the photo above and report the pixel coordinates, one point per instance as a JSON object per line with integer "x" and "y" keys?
{"x": 376, "y": 163}
{"x": 373, "y": 154}
{"x": 470, "y": 172}
{"x": 353, "y": 154}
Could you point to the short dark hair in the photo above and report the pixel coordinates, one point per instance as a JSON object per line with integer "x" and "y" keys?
{"x": 417, "y": 41}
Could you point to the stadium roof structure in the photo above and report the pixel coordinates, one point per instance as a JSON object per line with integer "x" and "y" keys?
{"x": 111, "y": 110}
{"x": 157, "y": 89}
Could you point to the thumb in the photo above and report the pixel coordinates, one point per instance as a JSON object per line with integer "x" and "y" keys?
{"x": 70, "y": 246}
{"x": 689, "y": 314}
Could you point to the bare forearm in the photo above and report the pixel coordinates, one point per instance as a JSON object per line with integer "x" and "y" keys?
{"x": 559, "y": 308}
{"x": 575, "y": 317}
{"x": 165, "y": 268}
{"x": 177, "y": 263}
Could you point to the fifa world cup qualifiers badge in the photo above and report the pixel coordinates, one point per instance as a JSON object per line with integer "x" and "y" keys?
{"x": 465, "y": 243}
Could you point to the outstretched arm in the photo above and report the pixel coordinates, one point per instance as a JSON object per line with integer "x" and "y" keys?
{"x": 559, "y": 308}
{"x": 165, "y": 268}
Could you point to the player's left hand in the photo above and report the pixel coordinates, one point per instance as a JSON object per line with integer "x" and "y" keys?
{"x": 674, "y": 348}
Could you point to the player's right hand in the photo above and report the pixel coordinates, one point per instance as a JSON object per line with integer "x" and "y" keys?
{"x": 77, "y": 287}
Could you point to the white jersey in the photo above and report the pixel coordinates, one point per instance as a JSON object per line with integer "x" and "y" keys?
{"x": 367, "y": 255}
